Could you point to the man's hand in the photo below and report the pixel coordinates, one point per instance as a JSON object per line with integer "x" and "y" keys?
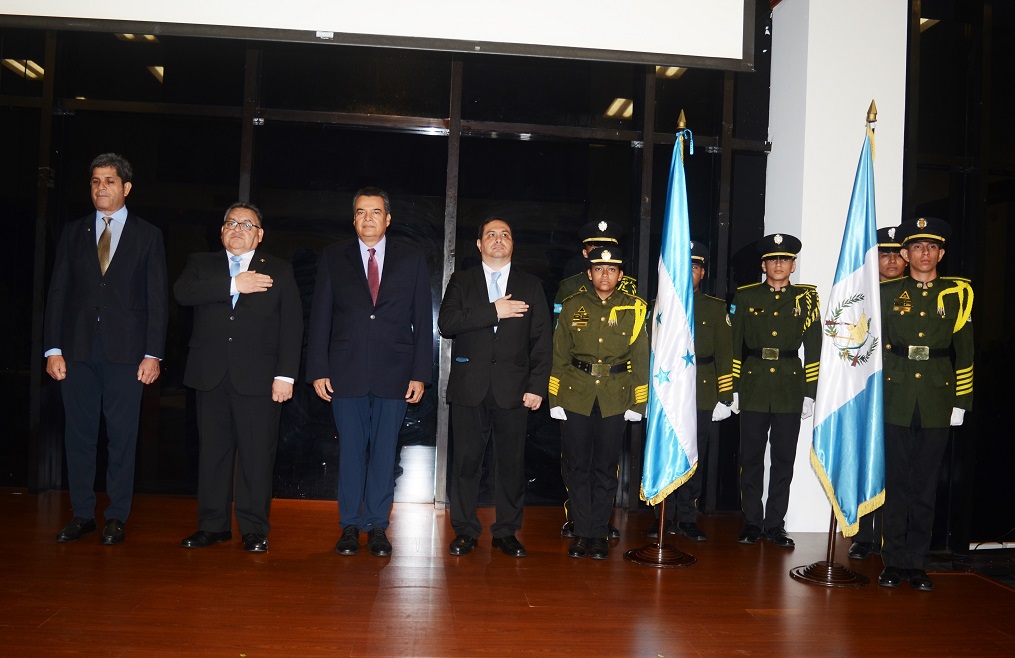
{"x": 148, "y": 371}
{"x": 532, "y": 401}
{"x": 281, "y": 390}
{"x": 557, "y": 413}
{"x": 56, "y": 367}
{"x": 721, "y": 412}
{"x": 323, "y": 388}
{"x": 250, "y": 281}
{"x": 808, "y": 409}
{"x": 958, "y": 415}
{"x": 508, "y": 308}
{"x": 415, "y": 392}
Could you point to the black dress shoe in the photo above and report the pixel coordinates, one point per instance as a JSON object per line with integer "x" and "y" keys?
{"x": 779, "y": 537}
{"x": 749, "y": 535}
{"x": 579, "y": 547}
{"x": 612, "y": 532}
{"x": 689, "y": 530}
{"x": 349, "y": 543}
{"x": 919, "y": 580}
{"x": 75, "y": 530}
{"x": 860, "y": 550}
{"x": 255, "y": 542}
{"x": 510, "y": 545}
{"x": 890, "y": 577}
{"x": 462, "y": 545}
{"x": 599, "y": 548}
{"x": 203, "y": 538}
{"x": 113, "y": 532}
{"x": 378, "y": 542}
{"x": 567, "y": 530}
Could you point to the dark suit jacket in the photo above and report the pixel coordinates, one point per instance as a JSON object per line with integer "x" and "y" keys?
{"x": 515, "y": 360}
{"x": 256, "y": 341}
{"x": 131, "y": 300}
{"x": 366, "y": 349}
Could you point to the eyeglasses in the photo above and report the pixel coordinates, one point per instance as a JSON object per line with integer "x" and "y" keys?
{"x": 244, "y": 226}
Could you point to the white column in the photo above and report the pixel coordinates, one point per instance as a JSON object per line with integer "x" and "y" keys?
{"x": 829, "y": 60}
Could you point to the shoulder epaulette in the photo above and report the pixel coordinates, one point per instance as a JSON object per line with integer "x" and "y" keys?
{"x": 898, "y": 278}
{"x": 805, "y": 285}
{"x": 575, "y": 294}
{"x": 957, "y": 278}
{"x": 715, "y": 298}
{"x": 749, "y": 285}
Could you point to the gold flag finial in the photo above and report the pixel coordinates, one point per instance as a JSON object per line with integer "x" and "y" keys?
{"x": 681, "y": 121}
{"x": 872, "y": 113}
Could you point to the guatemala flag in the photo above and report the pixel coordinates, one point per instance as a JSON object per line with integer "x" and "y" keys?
{"x": 848, "y": 454}
{"x": 671, "y": 446}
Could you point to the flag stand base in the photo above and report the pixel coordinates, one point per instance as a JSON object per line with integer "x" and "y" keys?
{"x": 828, "y": 575}
{"x": 660, "y": 556}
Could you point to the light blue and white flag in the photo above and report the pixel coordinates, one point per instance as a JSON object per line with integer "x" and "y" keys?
{"x": 848, "y": 453}
{"x": 671, "y": 446}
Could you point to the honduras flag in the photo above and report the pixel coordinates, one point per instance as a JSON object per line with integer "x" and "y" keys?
{"x": 848, "y": 453}
{"x": 671, "y": 447}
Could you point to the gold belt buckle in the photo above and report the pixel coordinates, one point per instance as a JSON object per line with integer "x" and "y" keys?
{"x": 599, "y": 369}
{"x": 770, "y": 353}
{"x": 919, "y": 353}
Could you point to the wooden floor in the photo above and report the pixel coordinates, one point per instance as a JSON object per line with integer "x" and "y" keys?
{"x": 149, "y": 597}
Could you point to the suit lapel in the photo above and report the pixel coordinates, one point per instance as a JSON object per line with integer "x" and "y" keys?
{"x": 125, "y": 245}
{"x": 355, "y": 263}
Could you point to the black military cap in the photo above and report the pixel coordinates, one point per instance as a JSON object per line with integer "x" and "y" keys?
{"x": 889, "y": 238}
{"x": 778, "y": 244}
{"x": 607, "y": 255}
{"x": 601, "y": 232}
{"x": 924, "y": 228}
{"x": 699, "y": 252}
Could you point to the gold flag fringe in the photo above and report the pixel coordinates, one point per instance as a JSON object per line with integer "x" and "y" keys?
{"x": 866, "y": 507}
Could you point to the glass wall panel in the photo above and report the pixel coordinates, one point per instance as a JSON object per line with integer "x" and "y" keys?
{"x": 105, "y": 66}
{"x": 307, "y": 202}
{"x": 698, "y": 93}
{"x": 359, "y": 80}
{"x": 551, "y": 91}
{"x": 24, "y": 73}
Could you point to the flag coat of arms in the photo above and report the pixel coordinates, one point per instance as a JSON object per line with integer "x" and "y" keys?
{"x": 847, "y": 453}
{"x": 671, "y": 448}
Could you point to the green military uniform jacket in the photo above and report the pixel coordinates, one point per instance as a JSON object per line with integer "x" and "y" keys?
{"x": 713, "y": 341}
{"x": 766, "y": 319}
{"x": 580, "y": 283}
{"x": 605, "y": 333}
{"x": 938, "y": 317}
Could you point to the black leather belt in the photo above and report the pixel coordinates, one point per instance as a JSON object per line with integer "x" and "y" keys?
{"x": 774, "y": 354}
{"x": 601, "y": 369}
{"x": 920, "y": 352}
{"x": 705, "y": 360}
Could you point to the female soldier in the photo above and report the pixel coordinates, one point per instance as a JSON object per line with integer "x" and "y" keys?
{"x": 599, "y": 382}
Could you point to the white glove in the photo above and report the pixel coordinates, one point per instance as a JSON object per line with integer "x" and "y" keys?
{"x": 558, "y": 413}
{"x": 721, "y": 412}
{"x": 632, "y": 416}
{"x": 957, "y": 416}
{"x": 735, "y": 407}
{"x": 808, "y": 409}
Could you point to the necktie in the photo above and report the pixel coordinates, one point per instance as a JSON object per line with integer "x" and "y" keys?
{"x": 494, "y": 290}
{"x": 234, "y": 269}
{"x": 105, "y": 240}
{"x": 373, "y": 276}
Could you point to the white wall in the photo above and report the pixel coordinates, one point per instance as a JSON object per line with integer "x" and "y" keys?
{"x": 829, "y": 60}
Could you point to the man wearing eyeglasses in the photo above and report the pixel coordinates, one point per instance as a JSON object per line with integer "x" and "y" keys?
{"x": 244, "y": 357}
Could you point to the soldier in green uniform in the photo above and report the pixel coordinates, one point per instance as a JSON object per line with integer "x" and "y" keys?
{"x": 713, "y": 351}
{"x": 891, "y": 265}
{"x": 925, "y": 319}
{"x": 771, "y": 387}
{"x": 576, "y": 279}
{"x": 599, "y": 382}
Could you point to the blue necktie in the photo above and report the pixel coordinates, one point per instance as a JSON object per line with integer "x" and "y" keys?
{"x": 494, "y": 290}
{"x": 234, "y": 269}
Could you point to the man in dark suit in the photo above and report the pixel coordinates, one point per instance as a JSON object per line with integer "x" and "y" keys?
{"x": 499, "y": 372}
{"x": 104, "y": 334}
{"x": 369, "y": 353}
{"x": 244, "y": 357}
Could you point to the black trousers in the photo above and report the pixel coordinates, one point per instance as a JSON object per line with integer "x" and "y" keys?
{"x": 682, "y": 503}
{"x": 241, "y": 430}
{"x": 474, "y": 428}
{"x": 912, "y": 464}
{"x": 756, "y": 431}
{"x": 591, "y": 448}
